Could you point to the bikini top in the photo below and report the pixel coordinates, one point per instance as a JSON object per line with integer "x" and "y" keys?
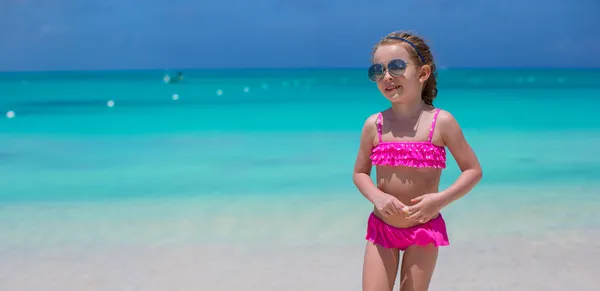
{"x": 415, "y": 154}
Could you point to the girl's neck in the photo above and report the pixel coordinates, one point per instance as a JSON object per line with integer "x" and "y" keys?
{"x": 408, "y": 110}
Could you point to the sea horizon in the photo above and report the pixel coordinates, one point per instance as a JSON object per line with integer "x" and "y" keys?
{"x": 298, "y": 68}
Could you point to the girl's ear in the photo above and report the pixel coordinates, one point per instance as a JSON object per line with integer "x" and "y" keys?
{"x": 425, "y": 73}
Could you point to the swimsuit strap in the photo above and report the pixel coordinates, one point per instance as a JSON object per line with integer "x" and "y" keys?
{"x": 379, "y": 124}
{"x": 435, "y": 115}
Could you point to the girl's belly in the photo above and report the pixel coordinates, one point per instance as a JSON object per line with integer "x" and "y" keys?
{"x": 406, "y": 184}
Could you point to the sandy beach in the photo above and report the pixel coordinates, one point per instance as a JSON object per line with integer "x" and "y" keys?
{"x": 567, "y": 261}
{"x": 516, "y": 243}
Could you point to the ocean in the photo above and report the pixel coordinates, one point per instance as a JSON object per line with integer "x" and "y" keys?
{"x": 264, "y": 158}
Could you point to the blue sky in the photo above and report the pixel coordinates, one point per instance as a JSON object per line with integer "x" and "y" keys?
{"x": 145, "y": 34}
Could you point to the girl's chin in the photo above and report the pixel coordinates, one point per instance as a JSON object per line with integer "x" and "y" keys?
{"x": 395, "y": 97}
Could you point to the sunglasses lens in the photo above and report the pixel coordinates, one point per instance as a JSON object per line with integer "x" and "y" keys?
{"x": 397, "y": 67}
{"x": 375, "y": 72}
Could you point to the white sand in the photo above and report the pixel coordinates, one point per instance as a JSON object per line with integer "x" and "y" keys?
{"x": 511, "y": 242}
{"x": 567, "y": 261}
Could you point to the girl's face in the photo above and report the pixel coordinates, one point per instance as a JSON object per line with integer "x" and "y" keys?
{"x": 397, "y": 76}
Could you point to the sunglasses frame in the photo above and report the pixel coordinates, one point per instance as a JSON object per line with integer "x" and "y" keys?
{"x": 385, "y": 69}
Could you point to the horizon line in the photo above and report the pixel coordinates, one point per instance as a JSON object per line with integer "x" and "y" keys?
{"x": 285, "y": 68}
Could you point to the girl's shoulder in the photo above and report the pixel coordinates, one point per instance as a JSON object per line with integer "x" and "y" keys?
{"x": 446, "y": 121}
{"x": 372, "y": 119}
{"x": 444, "y": 116}
{"x": 370, "y": 124}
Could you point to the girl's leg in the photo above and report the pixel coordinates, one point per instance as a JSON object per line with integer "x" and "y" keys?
{"x": 379, "y": 268}
{"x": 418, "y": 264}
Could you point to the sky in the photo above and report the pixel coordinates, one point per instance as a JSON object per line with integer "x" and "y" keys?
{"x": 52, "y": 35}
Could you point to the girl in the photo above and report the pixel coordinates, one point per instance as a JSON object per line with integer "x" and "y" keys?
{"x": 407, "y": 145}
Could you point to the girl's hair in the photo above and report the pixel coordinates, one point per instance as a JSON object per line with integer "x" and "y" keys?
{"x": 423, "y": 56}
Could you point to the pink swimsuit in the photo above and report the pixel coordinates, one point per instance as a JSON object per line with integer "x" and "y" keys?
{"x": 416, "y": 154}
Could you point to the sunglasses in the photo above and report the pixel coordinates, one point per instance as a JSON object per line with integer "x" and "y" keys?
{"x": 395, "y": 67}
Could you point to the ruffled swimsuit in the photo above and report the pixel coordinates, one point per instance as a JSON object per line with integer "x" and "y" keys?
{"x": 415, "y": 154}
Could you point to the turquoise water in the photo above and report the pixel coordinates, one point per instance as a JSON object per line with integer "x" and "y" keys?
{"x": 270, "y": 135}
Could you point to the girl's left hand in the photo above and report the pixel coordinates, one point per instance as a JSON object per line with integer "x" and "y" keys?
{"x": 427, "y": 206}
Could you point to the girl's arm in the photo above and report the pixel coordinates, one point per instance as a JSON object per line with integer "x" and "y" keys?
{"x": 466, "y": 159}
{"x": 362, "y": 167}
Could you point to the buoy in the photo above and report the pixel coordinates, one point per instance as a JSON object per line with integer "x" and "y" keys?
{"x": 10, "y": 114}
{"x": 110, "y": 103}
{"x": 175, "y": 97}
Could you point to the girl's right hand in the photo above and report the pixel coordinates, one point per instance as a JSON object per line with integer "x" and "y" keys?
{"x": 388, "y": 205}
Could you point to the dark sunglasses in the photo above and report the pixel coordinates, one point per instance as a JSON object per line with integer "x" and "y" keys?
{"x": 395, "y": 67}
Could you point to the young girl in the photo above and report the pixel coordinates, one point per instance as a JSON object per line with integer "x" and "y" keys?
{"x": 407, "y": 145}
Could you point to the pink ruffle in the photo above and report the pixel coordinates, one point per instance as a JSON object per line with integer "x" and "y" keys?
{"x": 432, "y": 232}
{"x": 409, "y": 154}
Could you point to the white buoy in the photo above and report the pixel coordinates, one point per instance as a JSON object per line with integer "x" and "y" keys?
{"x": 10, "y": 114}
{"x": 219, "y": 92}
{"x": 175, "y": 97}
{"x": 246, "y": 89}
{"x": 110, "y": 103}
